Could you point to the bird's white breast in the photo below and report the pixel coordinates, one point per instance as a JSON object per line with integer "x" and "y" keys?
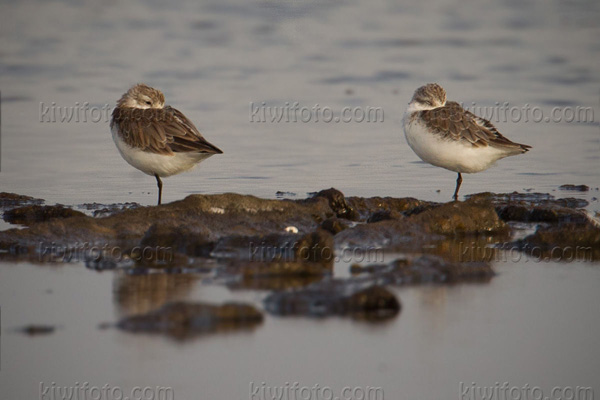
{"x": 457, "y": 156}
{"x": 152, "y": 163}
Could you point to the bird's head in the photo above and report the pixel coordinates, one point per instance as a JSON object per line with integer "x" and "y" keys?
{"x": 428, "y": 97}
{"x": 142, "y": 96}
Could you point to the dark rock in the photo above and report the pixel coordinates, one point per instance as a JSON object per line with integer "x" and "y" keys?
{"x": 383, "y": 215}
{"x": 35, "y": 330}
{"x": 334, "y": 225}
{"x": 359, "y": 299}
{"x": 105, "y": 210}
{"x": 469, "y": 217}
{"x": 222, "y": 215}
{"x": 338, "y": 204}
{"x": 357, "y": 269}
{"x": 565, "y": 242}
{"x": 525, "y": 213}
{"x": 530, "y": 199}
{"x": 367, "y": 206}
{"x": 188, "y": 239}
{"x": 181, "y": 320}
{"x": 535, "y": 207}
{"x": 373, "y": 303}
{"x": 315, "y": 247}
{"x": 263, "y": 248}
{"x": 245, "y": 228}
{"x": 427, "y": 269}
{"x": 28, "y": 215}
{"x": 281, "y": 195}
{"x": 13, "y": 199}
{"x": 577, "y": 188}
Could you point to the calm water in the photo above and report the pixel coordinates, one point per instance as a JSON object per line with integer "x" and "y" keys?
{"x": 534, "y": 323}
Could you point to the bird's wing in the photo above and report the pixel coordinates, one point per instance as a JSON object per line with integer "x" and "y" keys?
{"x": 163, "y": 131}
{"x": 453, "y": 122}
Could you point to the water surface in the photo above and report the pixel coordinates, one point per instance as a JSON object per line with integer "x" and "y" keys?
{"x": 535, "y": 323}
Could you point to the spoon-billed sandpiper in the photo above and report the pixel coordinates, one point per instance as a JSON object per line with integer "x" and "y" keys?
{"x": 156, "y": 139}
{"x": 448, "y": 136}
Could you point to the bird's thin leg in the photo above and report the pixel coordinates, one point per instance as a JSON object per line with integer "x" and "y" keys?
{"x": 458, "y": 182}
{"x": 159, "y": 183}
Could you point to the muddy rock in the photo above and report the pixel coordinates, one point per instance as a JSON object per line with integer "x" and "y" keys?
{"x": 105, "y": 210}
{"x": 402, "y": 235}
{"x": 356, "y": 298}
{"x": 565, "y": 242}
{"x": 315, "y": 247}
{"x": 337, "y": 203}
{"x": 36, "y": 330}
{"x": 357, "y": 269}
{"x": 334, "y": 225}
{"x": 181, "y": 320}
{"x": 459, "y": 218}
{"x": 373, "y": 303}
{"x": 223, "y": 215}
{"x": 426, "y": 269}
{"x": 428, "y": 228}
{"x": 535, "y": 207}
{"x": 31, "y": 214}
{"x": 384, "y": 215}
{"x": 576, "y": 188}
{"x": 368, "y": 206}
{"x": 187, "y": 239}
{"x": 260, "y": 248}
{"x": 8, "y": 200}
{"x": 246, "y": 228}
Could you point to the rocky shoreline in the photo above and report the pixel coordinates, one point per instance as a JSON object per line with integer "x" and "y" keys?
{"x": 288, "y": 248}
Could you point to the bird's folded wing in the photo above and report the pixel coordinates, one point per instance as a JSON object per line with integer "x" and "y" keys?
{"x": 163, "y": 131}
{"x": 453, "y": 122}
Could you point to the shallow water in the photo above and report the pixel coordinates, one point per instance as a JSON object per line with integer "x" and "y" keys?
{"x": 215, "y": 58}
{"x": 534, "y": 323}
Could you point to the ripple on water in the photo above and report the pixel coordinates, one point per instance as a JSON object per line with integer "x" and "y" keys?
{"x": 381, "y": 76}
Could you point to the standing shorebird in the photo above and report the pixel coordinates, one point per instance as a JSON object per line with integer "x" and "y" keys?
{"x": 156, "y": 139}
{"x": 448, "y": 136}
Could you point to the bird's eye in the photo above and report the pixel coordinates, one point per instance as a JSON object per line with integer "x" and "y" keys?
{"x": 148, "y": 102}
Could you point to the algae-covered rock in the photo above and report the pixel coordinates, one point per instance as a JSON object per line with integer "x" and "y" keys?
{"x": 360, "y": 299}
{"x": 565, "y": 242}
{"x": 12, "y": 200}
{"x": 31, "y": 214}
{"x": 338, "y": 204}
{"x": 368, "y": 206}
{"x": 469, "y": 217}
{"x": 36, "y": 330}
{"x": 188, "y": 239}
{"x": 315, "y": 247}
{"x": 334, "y": 225}
{"x": 534, "y": 207}
{"x": 426, "y": 269}
{"x": 576, "y": 188}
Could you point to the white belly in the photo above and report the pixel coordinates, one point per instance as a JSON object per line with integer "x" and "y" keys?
{"x": 151, "y": 163}
{"x": 453, "y": 155}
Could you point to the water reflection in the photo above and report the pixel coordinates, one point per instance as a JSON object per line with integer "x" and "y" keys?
{"x": 141, "y": 293}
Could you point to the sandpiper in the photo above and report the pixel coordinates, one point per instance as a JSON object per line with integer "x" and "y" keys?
{"x": 448, "y": 136}
{"x": 156, "y": 139}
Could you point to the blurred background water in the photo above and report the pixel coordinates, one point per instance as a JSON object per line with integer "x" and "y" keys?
{"x": 213, "y": 59}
